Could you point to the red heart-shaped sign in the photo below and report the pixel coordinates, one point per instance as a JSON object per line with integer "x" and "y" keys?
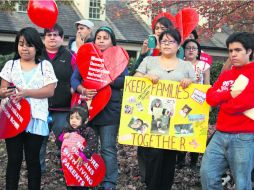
{"x": 185, "y": 21}
{"x": 99, "y": 69}
{"x": 97, "y": 104}
{"x": 90, "y": 173}
{"x": 91, "y": 67}
{"x": 42, "y": 13}
{"x": 116, "y": 60}
{"x": 14, "y": 117}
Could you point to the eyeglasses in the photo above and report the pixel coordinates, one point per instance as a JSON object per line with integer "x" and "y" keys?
{"x": 52, "y": 34}
{"x": 191, "y": 48}
{"x": 165, "y": 42}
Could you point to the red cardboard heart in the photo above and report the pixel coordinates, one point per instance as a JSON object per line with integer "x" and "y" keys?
{"x": 14, "y": 117}
{"x": 99, "y": 69}
{"x": 99, "y": 101}
{"x": 116, "y": 60}
{"x": 96, "y": 105}
{"x": 90, "y": 173}
{"x": 91, "y": 67}
{"x": 185, "y": 21}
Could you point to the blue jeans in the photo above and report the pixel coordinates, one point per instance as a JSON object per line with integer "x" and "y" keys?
{"x": 108, "y": 152}
{"x": 58, "y": 123}
{"x": 235, "y": 151}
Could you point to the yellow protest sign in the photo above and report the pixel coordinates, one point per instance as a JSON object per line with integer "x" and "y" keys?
{"x": 164, "y": 115}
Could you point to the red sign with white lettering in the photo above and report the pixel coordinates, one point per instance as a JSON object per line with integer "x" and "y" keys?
{"x": 206, "y": 58}
{"x": 14, "y": 117}
{"x": 90, "y": 173}
{"x": 96, "y": 104}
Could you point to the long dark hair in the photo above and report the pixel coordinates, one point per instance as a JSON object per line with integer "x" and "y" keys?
{"x": 165, "y": 22}
{"x": 32, "y": 38}
{"x": 110, "y": 33}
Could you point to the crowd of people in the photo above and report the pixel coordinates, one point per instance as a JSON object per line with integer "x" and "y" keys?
{"x": 46, "y": 75}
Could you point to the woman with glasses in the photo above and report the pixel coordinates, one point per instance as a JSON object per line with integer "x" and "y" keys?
{"x": 162, "y": 24}
{"x": 159, "y": 25}
{"x": 192, "y": 51}
{"x": 160, "y": 163}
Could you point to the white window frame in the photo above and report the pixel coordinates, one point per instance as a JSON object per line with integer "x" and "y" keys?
{"x": 19, "y": 5}
{"x": 95, "y": 9}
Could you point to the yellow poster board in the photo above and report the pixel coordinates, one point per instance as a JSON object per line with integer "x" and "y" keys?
{"x": 164, "y": 115}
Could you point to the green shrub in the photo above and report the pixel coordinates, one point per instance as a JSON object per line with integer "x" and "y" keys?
{"x": 215, "y": 72}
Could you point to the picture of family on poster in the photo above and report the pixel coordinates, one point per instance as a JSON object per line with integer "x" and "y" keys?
{"x": 161, "y": 110}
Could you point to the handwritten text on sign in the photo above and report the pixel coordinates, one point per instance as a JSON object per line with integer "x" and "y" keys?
{"x": 164, "y": 115}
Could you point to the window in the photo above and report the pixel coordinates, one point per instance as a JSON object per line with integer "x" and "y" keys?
{"x": 21, "y": 6}
{"x": 94, "y": 9}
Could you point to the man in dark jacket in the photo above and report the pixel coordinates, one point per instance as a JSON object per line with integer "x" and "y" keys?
{"x": 63, "y": 62}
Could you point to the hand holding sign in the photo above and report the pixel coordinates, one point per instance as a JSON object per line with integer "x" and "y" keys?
{"x": 14, "y": 117}
{"x": 90, "y": 173}
{"x": 96, "y": 104}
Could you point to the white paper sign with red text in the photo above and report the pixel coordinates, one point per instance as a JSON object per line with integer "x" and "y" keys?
{"x": 88, "y": 174}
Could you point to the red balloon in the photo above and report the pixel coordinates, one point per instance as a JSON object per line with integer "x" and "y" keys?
{"x": 43, "y": 13}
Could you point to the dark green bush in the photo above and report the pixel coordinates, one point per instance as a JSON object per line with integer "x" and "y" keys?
{"x": 215, "y": 72}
